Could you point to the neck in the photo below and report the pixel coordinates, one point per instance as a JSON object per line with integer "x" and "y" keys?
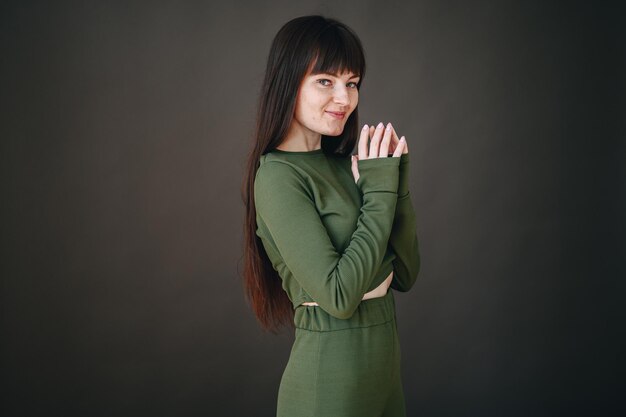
{"x": 300, "y": 139}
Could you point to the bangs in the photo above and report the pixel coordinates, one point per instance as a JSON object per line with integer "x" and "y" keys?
{"x": 338, "y": 51}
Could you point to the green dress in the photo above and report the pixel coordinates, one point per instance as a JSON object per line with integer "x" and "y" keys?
{"x": 332, "y": 240}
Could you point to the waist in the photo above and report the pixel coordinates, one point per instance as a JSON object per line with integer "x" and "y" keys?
{"x": 371, "y": 312}
{"x": 377, "y": 292}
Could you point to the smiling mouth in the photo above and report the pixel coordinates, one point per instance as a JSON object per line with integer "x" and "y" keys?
{"x": 336, "y": 115}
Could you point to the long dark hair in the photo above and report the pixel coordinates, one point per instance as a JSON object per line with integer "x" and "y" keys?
{"x": 321, "y": 45}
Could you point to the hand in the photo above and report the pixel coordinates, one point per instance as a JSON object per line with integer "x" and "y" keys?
{"x": 394, "y": 140}
{"x": 381, "y": 290}
{"x": 379, "y": 146}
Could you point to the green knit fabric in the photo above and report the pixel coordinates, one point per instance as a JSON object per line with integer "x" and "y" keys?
{"x": 330, "y": 239}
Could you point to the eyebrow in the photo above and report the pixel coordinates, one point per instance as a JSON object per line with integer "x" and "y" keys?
{"x": 334, "y": 75}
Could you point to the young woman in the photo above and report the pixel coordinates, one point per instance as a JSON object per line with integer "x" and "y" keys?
{"x": 327, "y": 233}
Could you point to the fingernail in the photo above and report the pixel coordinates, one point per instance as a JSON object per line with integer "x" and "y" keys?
{"x": 379, "y": 125}
{"x": 402, "y": 138}
{"x": 388, "y": 126}
{"x": 365, "y": 127}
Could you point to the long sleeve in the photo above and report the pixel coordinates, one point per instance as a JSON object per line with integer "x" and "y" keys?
{"x": 336, "y": 281}
{"x": 403, "y": 238}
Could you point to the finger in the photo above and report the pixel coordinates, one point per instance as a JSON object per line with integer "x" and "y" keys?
{"x": 383, "y": 152}
{"x": 363, "y": 141}
{"x": 372, "y": 131}
{"x": 394, "y": 139}
{"x": 374, "y": 143}
{"x": 400, "y": 147}
{"x": 406, "y": 146}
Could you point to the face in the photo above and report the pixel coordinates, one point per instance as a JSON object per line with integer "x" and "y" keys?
{"x": 324, "y": 103}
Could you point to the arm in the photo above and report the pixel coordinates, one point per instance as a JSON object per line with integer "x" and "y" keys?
{"x": 403, "y": 239}
{"x": 337, "y": 282}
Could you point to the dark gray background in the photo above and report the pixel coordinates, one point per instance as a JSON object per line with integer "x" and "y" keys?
{"x": 124, "y": 133}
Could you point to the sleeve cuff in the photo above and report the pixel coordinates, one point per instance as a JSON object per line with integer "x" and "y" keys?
{"x": 403, "y": 180}
{"x": 378, "y": 174}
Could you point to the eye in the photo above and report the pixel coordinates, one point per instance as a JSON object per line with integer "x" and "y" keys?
{"x": 322, "y": 80}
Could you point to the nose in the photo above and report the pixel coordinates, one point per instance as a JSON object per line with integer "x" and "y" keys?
{"x": 341, "y": 95}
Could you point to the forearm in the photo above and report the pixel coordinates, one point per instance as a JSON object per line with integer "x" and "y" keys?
{"x": 381, "y": 289}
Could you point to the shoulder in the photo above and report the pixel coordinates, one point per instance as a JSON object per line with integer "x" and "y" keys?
{"x": 278, "y": 179}
{"x": 276, "y": 169}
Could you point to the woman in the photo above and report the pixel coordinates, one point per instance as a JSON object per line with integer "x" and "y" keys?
{"x": 326, "y": 234}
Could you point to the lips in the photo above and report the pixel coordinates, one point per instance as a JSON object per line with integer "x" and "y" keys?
{"x": 338, "y": 115}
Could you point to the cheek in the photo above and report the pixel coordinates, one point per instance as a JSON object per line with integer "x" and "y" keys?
{"x": 307, "y": 107}
{"x": 314, "y": 106}
{"x": 353, "y": 104}
{"x": 354, "y": 100}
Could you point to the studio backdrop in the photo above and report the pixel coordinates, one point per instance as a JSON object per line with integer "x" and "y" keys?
{"x": 125, "y": 128}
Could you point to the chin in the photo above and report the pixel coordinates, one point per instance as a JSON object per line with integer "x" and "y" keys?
{"x": 334, "y": 132}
